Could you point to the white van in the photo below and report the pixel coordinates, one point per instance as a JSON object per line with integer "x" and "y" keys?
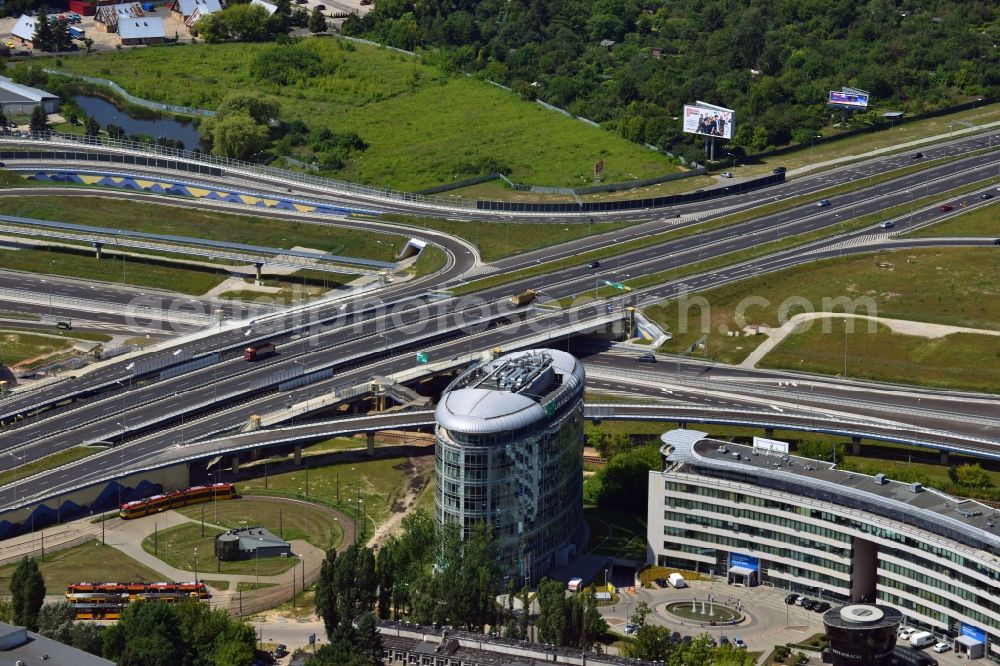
{"x": 922, "y": 639}
{"x": 676, "y": 580}
{"x": 575, "y": 584}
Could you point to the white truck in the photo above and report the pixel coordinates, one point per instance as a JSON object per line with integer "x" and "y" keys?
{"x": 676, "y": 580}
{"x": 922, "y": 639}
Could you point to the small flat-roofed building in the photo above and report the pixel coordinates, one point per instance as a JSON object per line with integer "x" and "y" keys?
{"x": 108, "y": 16}
{"x": 20, "y": 646}
{"x": 145, "y": 30}
{"x": 24, "y": 30}
{"x": 16, "y": 99}
{"x": 248, "y": 543}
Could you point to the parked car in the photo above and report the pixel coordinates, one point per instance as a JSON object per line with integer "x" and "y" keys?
{"x": 906, "y": 632}
{"x": 801, "y": 600}
{"x": 739, "y": 644}
{"x": 686, "y": 640}
{"x": 645, "y": 358}
{"x": 322, "y": 8}
{"x": 887, "y": 224}
{"x": 594, "y": 264}
{"x": 791, "y": 599}
{"x": 675, "y": 637}
{"x": 821, "y": 606}
{"x": 723, "y": 640}
{"x": 726, "y": 174}
{"x": 779, "y": 170}
{"x": 631, "y": 628}
{"x": 945, "y": 208}
{"x": 941, "y": 647}
{"x": 661, "y": 582}
{"x": 808, "y": 604}
{"x": 917, "y": 156}
{"x": 822, "y": 203}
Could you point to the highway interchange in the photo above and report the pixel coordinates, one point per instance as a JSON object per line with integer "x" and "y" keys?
{"x": 378, "y": 333}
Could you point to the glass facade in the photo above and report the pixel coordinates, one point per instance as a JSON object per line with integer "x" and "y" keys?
{"x": 810, "y": 547}
{"x": 529, "y": 487}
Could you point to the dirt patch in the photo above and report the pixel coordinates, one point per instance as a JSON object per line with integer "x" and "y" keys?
{"x": 418, "y": 471}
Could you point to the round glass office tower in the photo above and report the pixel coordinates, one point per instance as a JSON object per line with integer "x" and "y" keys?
{"x": 509, "y": 451}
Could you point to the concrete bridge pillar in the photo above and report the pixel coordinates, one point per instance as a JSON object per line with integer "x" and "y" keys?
{"x": 855, "y": 446}
{"x": 97, "y": 249}
{"x": 257, "y": 267}
{"x": 769, "y": 433}
{"x": 944, "y": 457}
{"x": 236, "y": 464}
{"x": 371, "y": 443}
{"x": 298, "y": 454}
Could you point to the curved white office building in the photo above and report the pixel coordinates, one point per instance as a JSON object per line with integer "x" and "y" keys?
{"x": 509, "y": 451}
{"x": 760, "y": 517}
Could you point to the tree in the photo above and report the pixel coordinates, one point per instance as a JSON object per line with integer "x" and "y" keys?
{"x": 551, "y": 622}
{"x": 91, "y": 127}
{"x": 238, "y": 136}
{"x": 326, "y": 593}
{"x": 55, "y": 621}
{"x": 651, "y": 643}
{"x": 247, "y": 23}
{"x": 369, "y": 640}
{"x": 39, "y": 123}
{"x": 261, "y": 109}
{"x": 61, "y": 40}
{"x": 280, "y": 19}
{"x": 317, "y": 21}
{"x": 147, "y": 633}
{"x": 42, "y": 39}
{"x": 972, "y": 476}
{"x": 594, "y": 626}
{"x": 27, "y": 591}
{"x": 639, "y": 614}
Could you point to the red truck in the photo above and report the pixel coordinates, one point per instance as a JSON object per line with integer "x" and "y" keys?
{"x": 258, "y": 352}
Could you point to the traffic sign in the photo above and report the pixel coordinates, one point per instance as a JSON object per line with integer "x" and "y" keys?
{"x": 617, "y": 285}
{"x": 421, "y": 357}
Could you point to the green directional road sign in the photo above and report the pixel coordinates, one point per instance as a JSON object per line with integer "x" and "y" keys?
{"x": 421, "y": 357}
{"x": 616, "y": 285}
{"x": 550, "y": 409}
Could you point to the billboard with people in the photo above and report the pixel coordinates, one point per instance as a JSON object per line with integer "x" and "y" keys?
{"x": 708, "y": 120}
{"x": 849, "y": 98}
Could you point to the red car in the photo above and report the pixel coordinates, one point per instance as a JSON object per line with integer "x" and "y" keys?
{"x": 945, "y": 208}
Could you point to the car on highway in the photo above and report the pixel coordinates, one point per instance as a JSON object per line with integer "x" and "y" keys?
{"x": 726, "y": 174}
{"x": 594, "y": 264}
{"x": 996, "y": 242}
{"x": 791, "y": 599}
{"x": 917, "y": 156}
{"x": 822, "y": 203}
{"x": 738, "y": 643}
{"x": 645, "y": 358}
{"x": 945, "y": 208}
{"x": 941, "y": 647}
{"x": 821, "y": 606}
{"x": 888, "y": 224}
{"x": 985, "y": 195}
{"x": 779, "y": 170}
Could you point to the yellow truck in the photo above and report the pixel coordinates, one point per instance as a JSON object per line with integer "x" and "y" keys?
{"x": 523, "y": 298}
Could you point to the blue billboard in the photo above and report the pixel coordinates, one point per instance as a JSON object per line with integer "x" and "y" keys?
{"x": 975, "y": 633}
{"x": 850, "y": 100}
{"x": 744, "y": 561}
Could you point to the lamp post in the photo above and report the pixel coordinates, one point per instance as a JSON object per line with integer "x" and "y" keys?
{"x": 812, "y": 140}
{"x": 196, "y": 565}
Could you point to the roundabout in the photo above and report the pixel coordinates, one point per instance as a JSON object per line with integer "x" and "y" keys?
{"x": 703, "y": 612}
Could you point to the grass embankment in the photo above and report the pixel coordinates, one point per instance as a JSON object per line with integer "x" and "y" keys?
{"x": 379, "y": 484}
{"x": 88, "y": 562}
{"x": 497, "y": 240}
{"x": 420, "y": 124}
{"x": 289, "y": 522}
{"x": 976, "y": 223}
{"x": 16, "y": 347}
{"x": 177, "y": 546}
{"x": 53, "y": 461}
{"x": 951, "y": 286}
{"x": 615, "y": 533}
{"x": 59, "y": 333}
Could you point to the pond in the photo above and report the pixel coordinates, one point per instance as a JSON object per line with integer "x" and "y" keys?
{"x": 105, "y": 112}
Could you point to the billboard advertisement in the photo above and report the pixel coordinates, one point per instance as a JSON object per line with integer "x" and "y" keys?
{"x": 744, "y": 561}
{"x": 769, "y": 445}
{"x": 708, "y": 120}
{"x": 975, "y": 633}
{"x": 848, "y": 99}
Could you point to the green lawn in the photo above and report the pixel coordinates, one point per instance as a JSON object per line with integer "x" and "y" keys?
{"x": 89, "y": 562}
{"x": 16, "y": 347}
{"x": 380, "y": 484}
{"x": 209, "y": 225}
{"x": 176, "y": 547}
{"x": 977, "y": 222}
{"x": 137, "y": 272}
{"x": 59, "y": 459}
{"x": 954, "y": 286}
{"x": 958, "y": 361}
{"x": 289, "y": 522}
{"x": 421, "y": 125}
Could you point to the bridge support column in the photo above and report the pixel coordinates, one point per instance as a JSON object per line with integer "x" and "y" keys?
{"x": 97, "y": 249}
{"x": 769, "y": 433}
{"x": 371, "y": 443}
{"x": 236, "y": 464}
{"x": 855, "y": 446}
{"x": 298, "y": 454}
{"x": 257, "y": 267}
{"x": 682, "y": 425}
{"x": 944, "y": 457}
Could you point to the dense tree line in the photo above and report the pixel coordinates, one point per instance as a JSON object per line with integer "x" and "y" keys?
{"x": 572, "y": 621}
{"x": 50, "y": 35}
{"x": 621, "y": 483}
{"x": 243, "y": 22}
{"x": 773, "y": 62}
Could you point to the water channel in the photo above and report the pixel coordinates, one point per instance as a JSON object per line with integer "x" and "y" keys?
{"x": 105, "y": 112}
